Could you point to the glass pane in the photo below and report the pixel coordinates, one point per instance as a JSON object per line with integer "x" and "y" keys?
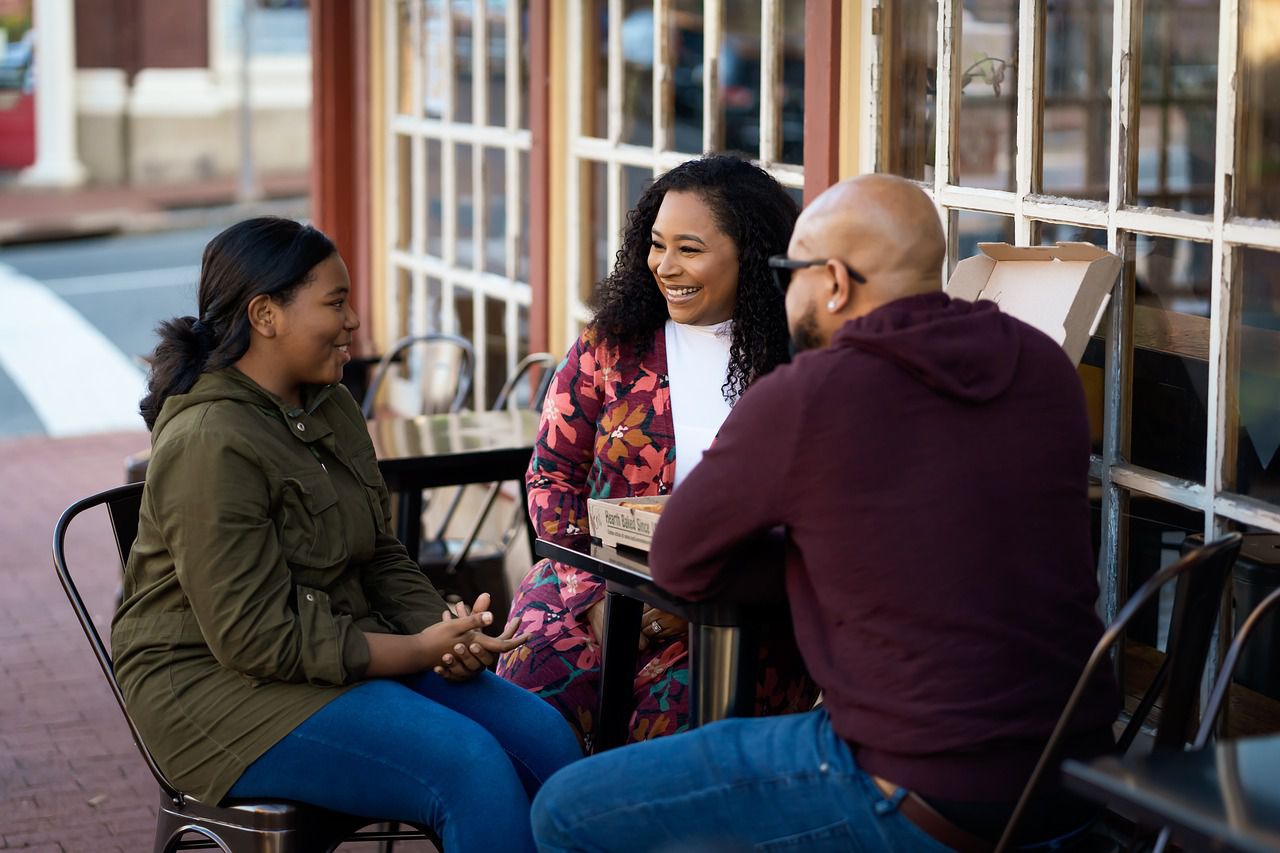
{"x": 400, "y": 318}
{"x": 1258, "y": 387}
{"x": 1157, "y": 533}
{"x": 1178, "y": 107}
{"x": 464, "y": 311}
{"x": 524, "y": 64}
{"x": 435, "y": 304}
{"x": 435, "y": 58}
{"x": 495, "y": 346}
{"x": 496, "y": 12}
{"x": 740, "y": 78}
{"x": 495, "y": 241}
{"x": 595, "y": 261}
{"x": 634, "y": 181}
{"x": 988, "y": 95}
{"x": 595, "y": 69}
{"x": 686, "y": 68}
{"x": 435, "y": 199}
{"x": 465, "y": 242}
{"x": 522, "y": 331}
{"x": 1258, "y": 167}
{"x": 969, "y": 228}
{"x": 637, "y": 72}
{"x": 522, "y": 226}
{"x": 404, "y": 212}
{"x": 908, "y": 86}
{"x": 790, "y": 98}
{"x": 1092, "y": 364}
{"x": 1170, "y": 358}
{"x": 463, "y": 31}
{"x": 1077, "y": 101}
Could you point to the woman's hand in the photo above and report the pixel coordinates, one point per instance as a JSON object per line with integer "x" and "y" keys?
{"x": 658, "y": 625}
{"x": 476, "y": 651}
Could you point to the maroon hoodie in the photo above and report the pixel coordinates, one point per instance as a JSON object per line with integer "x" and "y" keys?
{"x": 930, "y": 470}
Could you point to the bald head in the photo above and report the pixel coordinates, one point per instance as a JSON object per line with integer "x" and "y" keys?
{"x": 880, "y": 226}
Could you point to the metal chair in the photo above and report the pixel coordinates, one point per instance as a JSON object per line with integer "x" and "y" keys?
{"x": 466, "y": 567}
{"x": 1201, "y": 577}
{"x": 239, "y": 826}
{"x": 1220, "y": 687}
{"x": 444, "y": 375}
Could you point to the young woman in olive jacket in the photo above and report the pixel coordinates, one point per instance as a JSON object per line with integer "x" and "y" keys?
{"x": 275, "y": 639}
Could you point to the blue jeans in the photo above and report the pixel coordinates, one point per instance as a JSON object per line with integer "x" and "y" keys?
{"x": 770, "y": 784}
{"x": 462, "y": 759}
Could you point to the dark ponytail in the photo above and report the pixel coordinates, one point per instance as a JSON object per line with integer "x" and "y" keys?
{"x": 268, "y": 255}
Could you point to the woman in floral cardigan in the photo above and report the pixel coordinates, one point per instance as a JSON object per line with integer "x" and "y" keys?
{"x": 688, "y": 319}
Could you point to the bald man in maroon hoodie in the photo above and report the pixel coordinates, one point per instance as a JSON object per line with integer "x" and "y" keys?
{"x": 926, "y": 460}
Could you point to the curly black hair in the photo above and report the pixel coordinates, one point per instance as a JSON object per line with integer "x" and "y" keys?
{"x": 753, "y": 210}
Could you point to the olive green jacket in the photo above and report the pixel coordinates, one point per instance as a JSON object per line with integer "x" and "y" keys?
{"x": 264, "y": 553}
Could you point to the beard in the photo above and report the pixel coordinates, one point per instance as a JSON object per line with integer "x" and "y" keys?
{"x": 805, "y": 334}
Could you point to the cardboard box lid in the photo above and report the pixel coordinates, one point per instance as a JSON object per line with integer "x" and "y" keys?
{"x": 1062, "y": 290}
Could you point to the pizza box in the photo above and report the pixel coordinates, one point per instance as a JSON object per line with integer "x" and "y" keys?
{"x": 1062, "y": 290}
{"x": 632, "y": 525}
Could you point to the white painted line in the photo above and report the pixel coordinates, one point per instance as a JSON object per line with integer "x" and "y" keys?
{"x": 75, "y": 379}
{"x": 112, "y": 282}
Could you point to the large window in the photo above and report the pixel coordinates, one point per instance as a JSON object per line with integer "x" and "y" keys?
{"x": 1150, "y": 127}
{"x": 653, "y": 84}
{"x": 457, "y": 179}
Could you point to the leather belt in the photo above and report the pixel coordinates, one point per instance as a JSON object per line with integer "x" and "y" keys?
{"x": 927, "y": 819}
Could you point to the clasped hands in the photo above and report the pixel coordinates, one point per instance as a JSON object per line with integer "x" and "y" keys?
{"x": 458, "y": 641}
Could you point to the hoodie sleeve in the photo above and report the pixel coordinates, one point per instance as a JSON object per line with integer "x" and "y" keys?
{"x": 738, "y": 492}
{"x": 214, "y": 507}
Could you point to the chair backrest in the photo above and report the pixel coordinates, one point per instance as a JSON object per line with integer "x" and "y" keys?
{"x": 123, "y": 504}
{"x": 444, "y": 371}
{"x": 1201, "y": 576}
{"x": 544, "y": 360}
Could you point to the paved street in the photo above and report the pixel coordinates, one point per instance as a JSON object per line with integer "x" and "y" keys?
{"x": 77, "y": 316}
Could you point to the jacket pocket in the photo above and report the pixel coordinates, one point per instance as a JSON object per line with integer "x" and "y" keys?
{"x": 311, "y": 528}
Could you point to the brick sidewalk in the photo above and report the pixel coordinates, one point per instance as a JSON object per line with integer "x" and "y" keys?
{"x": 70, "y": 778}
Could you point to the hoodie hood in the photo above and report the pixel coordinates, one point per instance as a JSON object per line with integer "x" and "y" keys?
{"x": 231, "y": 384}
{"x": 966, "y": 350}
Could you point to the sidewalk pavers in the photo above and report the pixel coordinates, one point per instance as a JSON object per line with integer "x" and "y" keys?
{"x": 70, "y": 777}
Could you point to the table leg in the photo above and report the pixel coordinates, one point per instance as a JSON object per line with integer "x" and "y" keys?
{"x": 722, "y": 673}
{"x": 621, "y": 647}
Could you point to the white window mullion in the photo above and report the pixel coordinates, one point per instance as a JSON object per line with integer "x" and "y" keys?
{"x": 614, "y": 97}
{"x": 712, "y": 34}
{"x": 512, "y": 44}
{"x": 614, "y": 216}
{"x": 1224, "y": 298}
{"x": 662, "y": 113}
{"x": 945, "y": 109}
{"x": 1030, "y": 108}
{"x": 771, "y": 47}
{"x": 1119, "y": 353}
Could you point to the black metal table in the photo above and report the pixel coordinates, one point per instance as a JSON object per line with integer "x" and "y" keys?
{"x": 1223, "y": 797}
{"x": 454, "y": 449}
{"x": 724, "y": 641}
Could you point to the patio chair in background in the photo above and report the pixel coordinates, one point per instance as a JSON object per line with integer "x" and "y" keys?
{"x": 462, "y": 568}
{"x": 1221, "y": 687}
{"x": 1201, "y": 577}
{"x": 240, "y": 826}
{"x": 444, "y": 371}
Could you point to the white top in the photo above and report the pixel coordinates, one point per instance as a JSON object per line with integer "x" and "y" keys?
{"x": 697, "y": 364}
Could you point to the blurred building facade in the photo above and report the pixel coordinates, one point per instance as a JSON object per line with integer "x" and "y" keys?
{"x": 498, "y": 146}
{"x": 156, "y": 90}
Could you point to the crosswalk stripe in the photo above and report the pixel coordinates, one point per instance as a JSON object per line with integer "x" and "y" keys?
{"x": 75, "y": 379}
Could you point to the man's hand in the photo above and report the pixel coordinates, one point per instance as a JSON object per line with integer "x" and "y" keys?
{"x": 476, "y": 650}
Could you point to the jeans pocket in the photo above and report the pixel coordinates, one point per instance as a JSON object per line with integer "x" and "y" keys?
{"x": 836, "y": 837}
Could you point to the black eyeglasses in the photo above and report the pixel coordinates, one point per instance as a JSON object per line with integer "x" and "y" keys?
{"x": 782, "y": 267}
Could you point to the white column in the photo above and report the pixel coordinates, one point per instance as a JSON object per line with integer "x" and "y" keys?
{"x": 57, "y": 161}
